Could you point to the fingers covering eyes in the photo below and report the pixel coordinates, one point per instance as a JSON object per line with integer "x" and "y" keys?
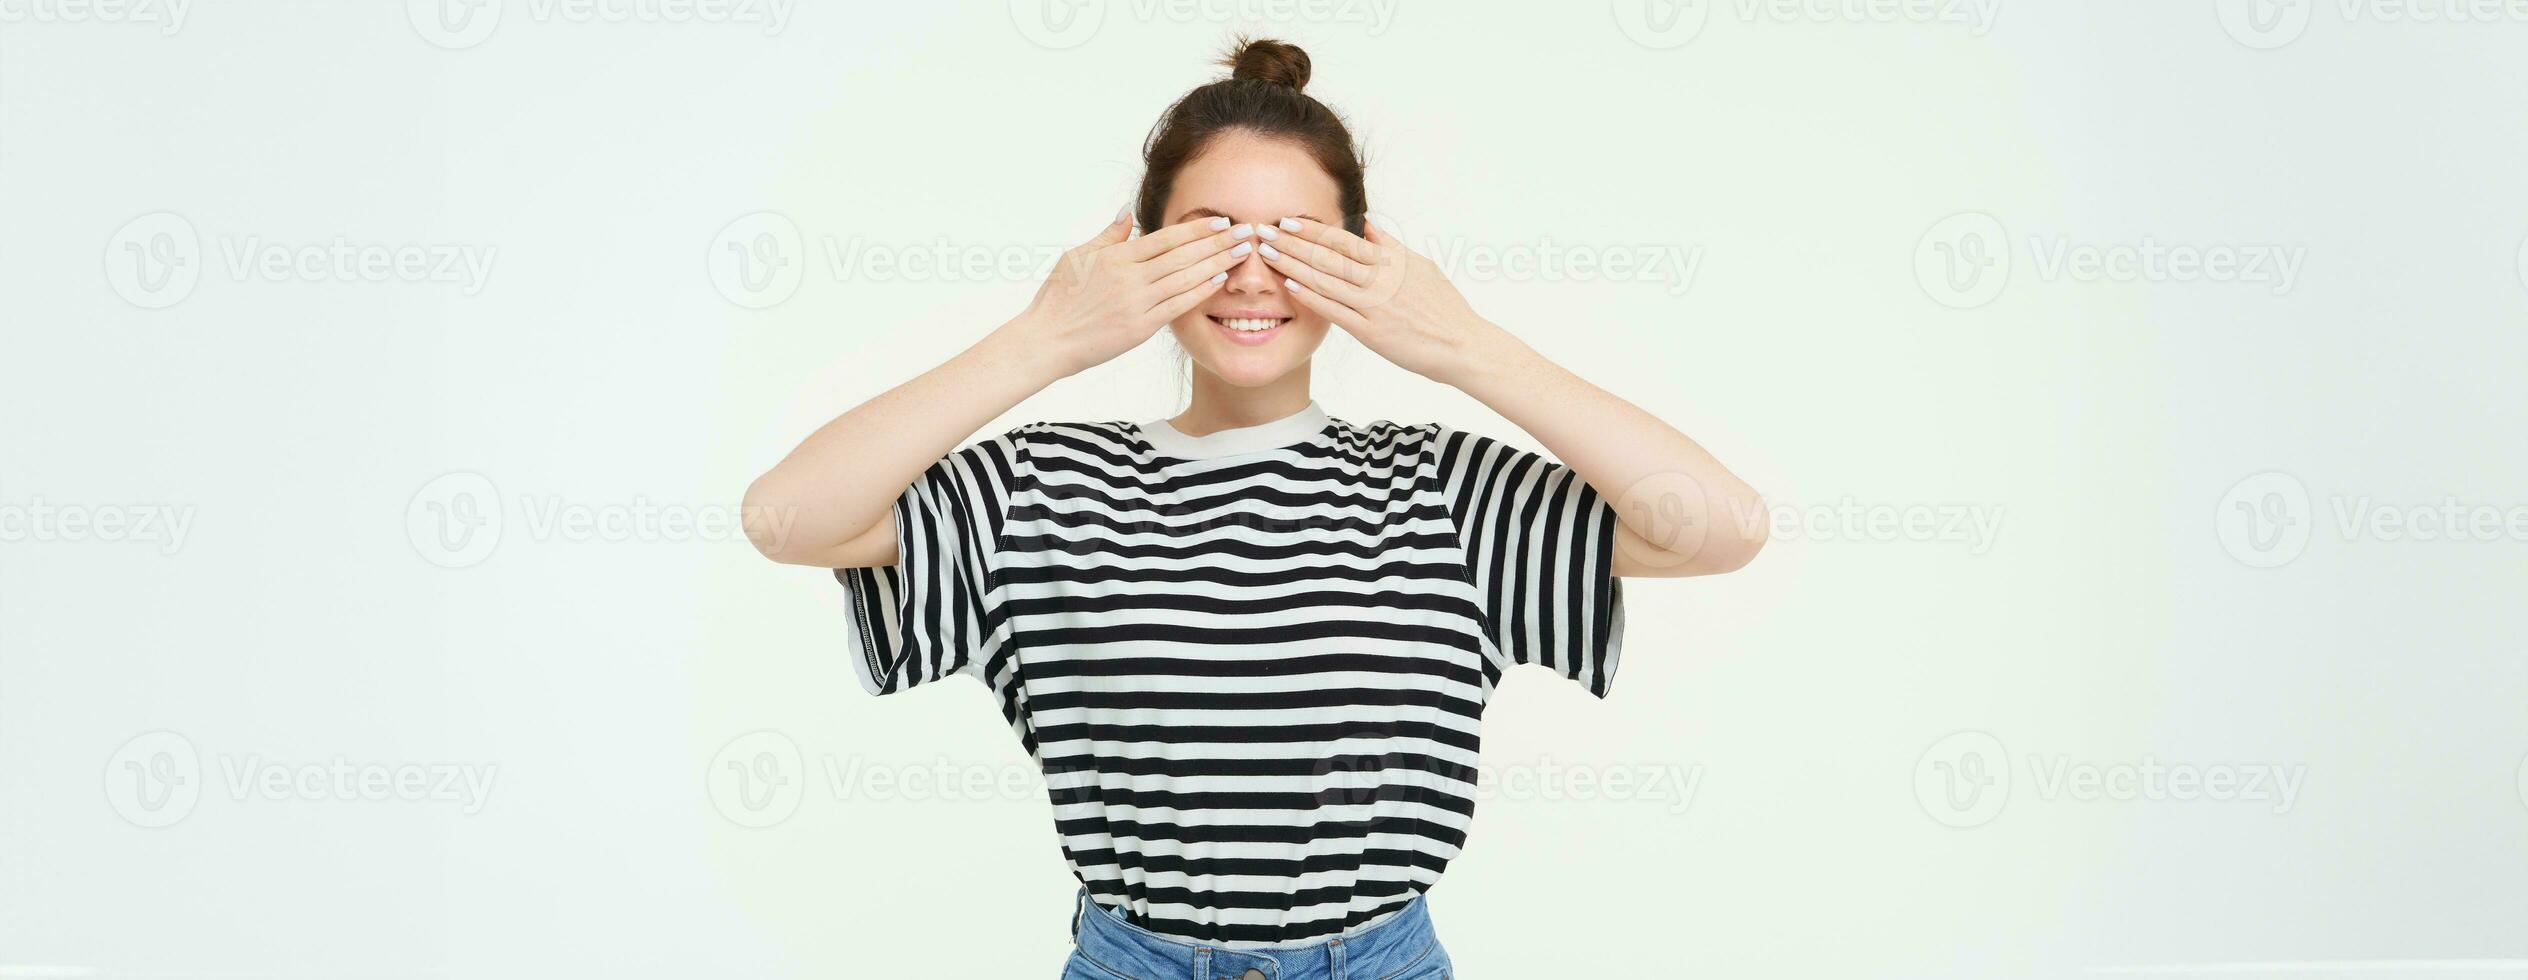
{"x": 1176, "y": 304}
{"x": 1335, "y": 238}
{"x": 1287, "y": 262}
{"x": 1198, "y": 273}
{"x": 1327, "y": 260}
{"x": 1320, "y": 305}
{"x": 1177, "y": 259}
{"x": 1165, "y": 239}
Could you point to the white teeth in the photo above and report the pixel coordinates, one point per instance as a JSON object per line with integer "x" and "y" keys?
{"x": 1248, "y": 324}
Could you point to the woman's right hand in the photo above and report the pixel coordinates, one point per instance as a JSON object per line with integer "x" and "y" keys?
{"x": 1113, "y": 291}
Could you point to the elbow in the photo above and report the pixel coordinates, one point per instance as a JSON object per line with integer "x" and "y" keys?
{"x": 1738, "y": 537}
{"x": 1747, "y": 538}
{"x": 769, "y": 516}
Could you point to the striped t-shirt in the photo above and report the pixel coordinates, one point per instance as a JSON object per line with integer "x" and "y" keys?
{"x": 1252, "y": 664}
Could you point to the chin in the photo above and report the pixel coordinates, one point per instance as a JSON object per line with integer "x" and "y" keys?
{"x": 1244, "y": 359}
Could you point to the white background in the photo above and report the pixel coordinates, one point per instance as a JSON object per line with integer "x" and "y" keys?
{"x": 376, "y": 477}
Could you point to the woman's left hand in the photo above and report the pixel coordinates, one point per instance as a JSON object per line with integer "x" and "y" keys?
{"x": 1391, "y": 299}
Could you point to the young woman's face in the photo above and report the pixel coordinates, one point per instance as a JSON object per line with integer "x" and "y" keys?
{"x": 1251, "y": 180}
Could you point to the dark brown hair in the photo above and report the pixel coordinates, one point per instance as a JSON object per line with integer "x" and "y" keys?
{"x": 1261, "y": 96}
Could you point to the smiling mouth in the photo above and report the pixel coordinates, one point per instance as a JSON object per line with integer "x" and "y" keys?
{"x": 1250, "y": 324}
{"x": 1249, "y": 330}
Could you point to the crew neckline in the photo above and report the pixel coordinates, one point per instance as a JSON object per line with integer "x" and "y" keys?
{"x": 1291, "y": 429}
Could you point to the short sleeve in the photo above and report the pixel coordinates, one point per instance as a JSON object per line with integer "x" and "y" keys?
{"x": 1540, "y": 549}
{"x": 932, "y": 614}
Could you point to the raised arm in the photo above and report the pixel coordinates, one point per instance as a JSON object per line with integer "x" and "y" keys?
{"x": 1681, "y": 511}
{"x": 829, "y": 503}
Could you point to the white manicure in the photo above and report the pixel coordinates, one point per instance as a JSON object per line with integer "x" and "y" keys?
{"x": 1219, "y": 224}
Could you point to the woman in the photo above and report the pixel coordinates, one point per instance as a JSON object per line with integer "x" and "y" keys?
{"x": 1250, "y": 645}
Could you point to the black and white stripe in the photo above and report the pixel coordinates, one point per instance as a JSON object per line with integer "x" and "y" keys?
{"x": 1253, "y": 664}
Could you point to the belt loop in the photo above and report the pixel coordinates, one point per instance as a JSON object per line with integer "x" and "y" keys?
{"x": 1202, "y": 963}
{"x": 1334, "y": 958}
{"x": 1078, "y": 909}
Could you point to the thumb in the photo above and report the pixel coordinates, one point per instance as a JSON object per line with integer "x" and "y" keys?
{"x": 1115, "y": 231}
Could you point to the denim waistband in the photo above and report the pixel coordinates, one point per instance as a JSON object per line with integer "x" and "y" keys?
{"x": 1399, "y": 945}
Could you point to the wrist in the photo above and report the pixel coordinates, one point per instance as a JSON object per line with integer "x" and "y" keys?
{"x": 1016, "y": 349}
{"x": 1485, "y": 354}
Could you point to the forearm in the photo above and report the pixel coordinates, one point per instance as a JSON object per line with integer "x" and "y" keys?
{"x": 821, "y": 504}
{"x": 1684, "y": 513}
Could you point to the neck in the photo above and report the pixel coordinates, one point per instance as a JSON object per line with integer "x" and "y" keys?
{"x": 1220, "y": 405}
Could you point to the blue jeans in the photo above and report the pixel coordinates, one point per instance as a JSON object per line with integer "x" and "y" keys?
{"x": 1400, "y": 947}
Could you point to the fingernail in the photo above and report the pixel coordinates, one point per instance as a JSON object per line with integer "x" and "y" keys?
{"x": 1219, "y": 224}
{"x": 1272, "y": 253}
{"x": 1293, "y": 284}
{"x": 1241, "y": 231}
{"x": 1220, "y": 277}
{"x": 1266, "y": 232}
{"x": 1124, "y": 212}
{"x": 1245, "y": 247}
{"x": 1290, "y": 224}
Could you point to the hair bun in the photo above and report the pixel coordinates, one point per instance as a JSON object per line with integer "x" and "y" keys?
{"x": 1269, "y": 61}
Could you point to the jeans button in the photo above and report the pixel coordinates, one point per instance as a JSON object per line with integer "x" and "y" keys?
{"x": 1251, "y": 974}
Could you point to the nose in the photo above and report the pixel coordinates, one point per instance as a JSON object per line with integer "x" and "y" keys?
{"x": 1253, "y": 276}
